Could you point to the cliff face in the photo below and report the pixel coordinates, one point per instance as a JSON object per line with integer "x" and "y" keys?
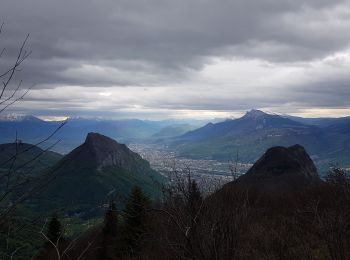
{"x": 281, "y": 169}
{"x": 102, "y": 151}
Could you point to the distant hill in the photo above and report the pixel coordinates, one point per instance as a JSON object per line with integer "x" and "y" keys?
{"x": 281, "y": 169}
{"x": 29, "y": 157}
{"x": 322, "y": 122}
{"x": 96, "y": 171}
{"x": 22, "y": 166}
{"x": 173, "y": 130}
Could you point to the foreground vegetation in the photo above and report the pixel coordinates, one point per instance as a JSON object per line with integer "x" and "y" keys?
{"x": 238, "y": 224}
{"x": 231, "y": 223}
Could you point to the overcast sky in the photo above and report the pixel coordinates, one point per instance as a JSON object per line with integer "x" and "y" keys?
{"x": 180, "y": 58}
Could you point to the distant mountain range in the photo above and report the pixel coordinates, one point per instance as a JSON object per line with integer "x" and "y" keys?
{"x": 32, "y": 130}
{"x": 327, "y": 140}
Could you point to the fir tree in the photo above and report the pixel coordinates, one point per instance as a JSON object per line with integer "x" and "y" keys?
{"x": 194, "y": 194}
{"x": 194, "y": 197}
{"x": 54, "y": 229}
{"x": 135, "y": 216}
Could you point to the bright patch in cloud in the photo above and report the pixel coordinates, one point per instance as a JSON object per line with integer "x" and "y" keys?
{"x": 105, "y": 94}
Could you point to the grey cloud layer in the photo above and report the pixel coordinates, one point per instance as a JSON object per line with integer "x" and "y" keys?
{"x": 156, "y": 43}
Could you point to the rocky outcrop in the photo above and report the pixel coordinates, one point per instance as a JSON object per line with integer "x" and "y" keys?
{"x": 281, "y": 169}
{"x": 102, "y": 151}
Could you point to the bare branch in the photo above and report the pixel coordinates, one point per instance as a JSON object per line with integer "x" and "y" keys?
{"x": 22, "y": 55}
{"x": 13, "y": 93}
{"x": 39, "y": 143}
{"x": 17, "y": 99}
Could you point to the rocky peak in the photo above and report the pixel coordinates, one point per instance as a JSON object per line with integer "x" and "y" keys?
{"x": 254, "y": 113}
{"x": 282, "y": 169}
{"x": 97, "y": 141}
{"x": 257, "y": 118}
{"x": 103, "y": 151}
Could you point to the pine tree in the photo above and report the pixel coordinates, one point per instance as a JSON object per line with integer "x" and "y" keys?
{"x": 135, "y": 216}
{"x": 194, "y": 197}
{"x": 194, "y": 194}
{"x": 54, "y": 229}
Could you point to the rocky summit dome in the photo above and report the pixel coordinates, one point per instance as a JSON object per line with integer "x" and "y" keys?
{"x": 281, "y": 169}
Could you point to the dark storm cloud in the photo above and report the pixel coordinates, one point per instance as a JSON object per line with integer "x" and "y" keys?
{"x": 156, "y": 43}
{"x": 170, "y": 35}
